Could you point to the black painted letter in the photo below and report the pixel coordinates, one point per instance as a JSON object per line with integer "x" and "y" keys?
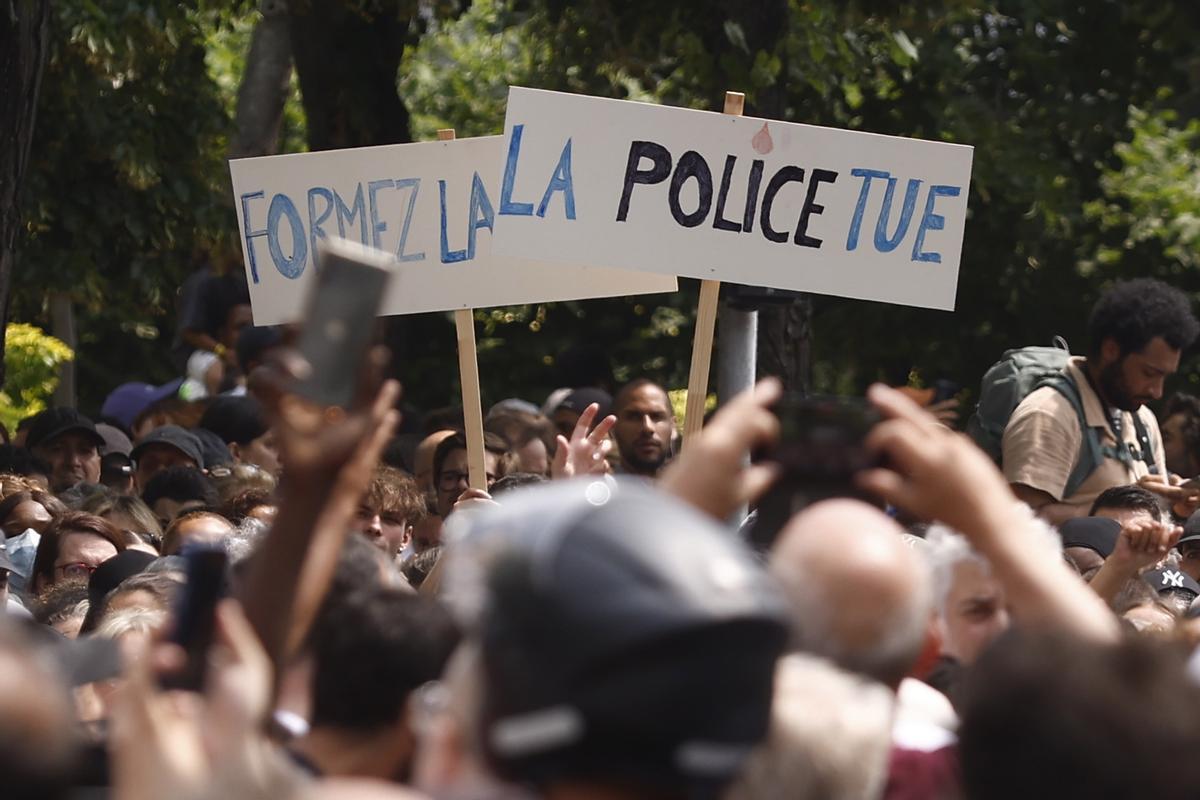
{"x": 815, "y": 180}
{"x": 691, "y": 165}
{"x": 784, "y": 176}
{"x": 719, "y": 221}
{"x": 658, "y": 172}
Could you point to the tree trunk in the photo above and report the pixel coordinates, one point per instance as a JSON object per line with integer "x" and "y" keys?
{"x": 265, "y": 83}
{"x": 347, "y": 61}
{"x": 24, "y": 35}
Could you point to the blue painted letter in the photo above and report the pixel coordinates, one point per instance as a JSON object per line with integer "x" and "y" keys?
{"x": 377, "y": 227}
{"x": 932, "y": 222}
{"x": 251, "y": 234}
{"x": 481, "y": 216}
{"x": 882, "y": 243}
{"x": 315, "y": 230}
{"x": 507, "y": 206}
{"x": 561, "y": 182}
{"x": 856, "y": 223}
{"x": 415, "y": 184}
{"x": 293, "y": 267}
{"x": 347, "y": 215}
{"x": 448, "y": 256}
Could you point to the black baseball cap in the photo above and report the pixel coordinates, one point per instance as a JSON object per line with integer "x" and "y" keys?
{"x": 1191, "y": 529}
{"x": 623, "y": 636}
{"x": 54, "y": 422}
{"x": 1095, "y": 533}
{"x": 580, "y": 399}
{"x": 1169, "y": 579}
{"x": 172, "y": 436}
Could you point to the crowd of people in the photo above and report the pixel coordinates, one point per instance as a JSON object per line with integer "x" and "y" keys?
{"x": 960, "y": 617}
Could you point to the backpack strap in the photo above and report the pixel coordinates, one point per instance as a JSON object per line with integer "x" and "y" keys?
{"x": 1091, "y": 451}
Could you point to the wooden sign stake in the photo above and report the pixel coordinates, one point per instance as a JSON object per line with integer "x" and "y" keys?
{"x": 468, "y": 371}
{"x": 706, "y": 317}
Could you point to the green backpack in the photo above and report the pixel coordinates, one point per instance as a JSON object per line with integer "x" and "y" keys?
{"x": 1018, "y": 373}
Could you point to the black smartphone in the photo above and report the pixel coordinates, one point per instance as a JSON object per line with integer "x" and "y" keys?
{"x": 194, "y": 620}
{"x": 339, "y": 325}
{"x": 821, "y": 448}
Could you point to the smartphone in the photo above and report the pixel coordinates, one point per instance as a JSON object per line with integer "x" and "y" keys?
{"x": 195, "y": 614}
{"x": 339, "y": 325}
{"x": 821, "y": 448}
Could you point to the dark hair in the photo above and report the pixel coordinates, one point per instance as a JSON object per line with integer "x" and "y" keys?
{"x": 441, "y": 419}
{"x": 42, "y": 573}
{"x": 19, "y": 461}
{"x": 57, "y": 601}
{"x": 622, "y": 395}
{"x": 371, "y": 649}
{"x": 1079, "y": 720}
{"x": 235, "y": 419}
{"x": 1129, "y": 498}
{"x": 1132, "y": 313}
{"x": 181, "y": 484}
{"x": 516, "y": 480}
{"x": 241, "y": 504}
{"x": 491, "y": 443}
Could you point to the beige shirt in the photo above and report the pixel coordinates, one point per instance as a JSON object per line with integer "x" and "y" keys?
{"x": 1043, "y": 440}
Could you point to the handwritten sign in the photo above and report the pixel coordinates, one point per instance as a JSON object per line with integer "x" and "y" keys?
{"x": 595, "y": 181}
{"x": 432, "y": 205}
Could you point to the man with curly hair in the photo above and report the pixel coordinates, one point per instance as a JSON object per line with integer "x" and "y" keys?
{"x": 1137, "y": 331}
{"x": 391, "y": 506}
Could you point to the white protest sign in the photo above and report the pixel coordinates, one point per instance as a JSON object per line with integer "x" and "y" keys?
{"x": 713, "y": 196}
{"x": 430, "y": 204}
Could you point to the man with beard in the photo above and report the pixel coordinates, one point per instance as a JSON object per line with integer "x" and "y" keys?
{"x": 645, "y": 427}
{"x": 1137, "y": 331}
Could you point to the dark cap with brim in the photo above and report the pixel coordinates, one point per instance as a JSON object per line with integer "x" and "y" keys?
{"x": 172, "y": 436}
{"x": 54, "y": 422}
{"x": 1166, "y": 580}
{"x": 1095, "y": 533}
{"x": 623, "y": 635}
{"x": 1191, "y": 529}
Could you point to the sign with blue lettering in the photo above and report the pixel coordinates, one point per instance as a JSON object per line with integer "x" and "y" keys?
{"x": 432, "y": 205}
{"x": 587, "y": 180}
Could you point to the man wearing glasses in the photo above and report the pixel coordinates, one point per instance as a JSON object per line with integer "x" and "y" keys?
{"x": 450, "y": 467}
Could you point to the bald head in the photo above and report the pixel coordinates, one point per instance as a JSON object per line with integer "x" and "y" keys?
{"x": 860, "y": 595}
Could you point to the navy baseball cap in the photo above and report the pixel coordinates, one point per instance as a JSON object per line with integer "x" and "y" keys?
{"x": 54, "y": 422}
{"x": 172, "y": 436}
{"x": 623, "y": 636}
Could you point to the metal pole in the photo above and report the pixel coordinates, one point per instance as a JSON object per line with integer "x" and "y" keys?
{"x": 737, "y": 358}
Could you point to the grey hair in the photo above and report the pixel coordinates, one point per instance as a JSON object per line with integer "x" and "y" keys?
{"x": 131, "y": 620}
{"x": 830, "y": 736}
{"x": 948, "y": 549}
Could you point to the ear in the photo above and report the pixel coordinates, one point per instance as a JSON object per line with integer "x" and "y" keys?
{"x": 235, "y": 450}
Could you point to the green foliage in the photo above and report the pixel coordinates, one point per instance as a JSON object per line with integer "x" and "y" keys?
{"x": 128, "y": 188}
{"x": 1153, "y": 196}
{"x": 31, "y": 360}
